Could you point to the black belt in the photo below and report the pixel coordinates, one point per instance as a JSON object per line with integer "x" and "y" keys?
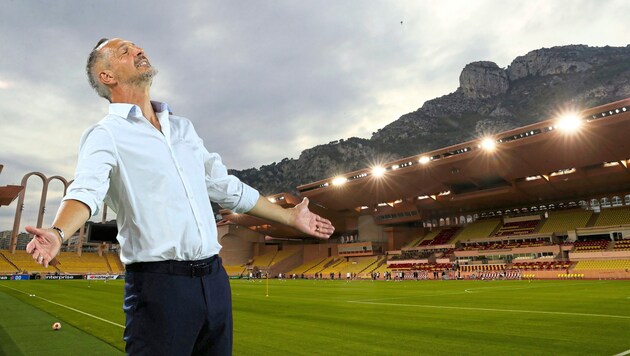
{"x": 179, "y": 268}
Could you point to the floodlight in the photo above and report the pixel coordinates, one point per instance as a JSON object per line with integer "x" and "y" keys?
{"x": 488, "y": 144}
{"x": 378, "y": 171}
{"x": 424, "y": 160}
{"x": 569, "y": 123}
{"x": 339, "y": 180}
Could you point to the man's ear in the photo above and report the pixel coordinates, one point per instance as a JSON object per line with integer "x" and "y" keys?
{"x": 107, "y": 77}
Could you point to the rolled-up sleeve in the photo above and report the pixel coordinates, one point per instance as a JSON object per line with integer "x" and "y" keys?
{"x": 97, "y": 157}
{"x": 227, "y": 190}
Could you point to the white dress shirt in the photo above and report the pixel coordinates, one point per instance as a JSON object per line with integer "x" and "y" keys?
{"x": 159, "y": 184}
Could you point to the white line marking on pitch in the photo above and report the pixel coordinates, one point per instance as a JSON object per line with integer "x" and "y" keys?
{"x": 492, "y": 310}
{"x": 469, "y": 290}
{"x": 408, "y": 297}
{"x": 623, "y": 353}
{"x": 67, "y": 307}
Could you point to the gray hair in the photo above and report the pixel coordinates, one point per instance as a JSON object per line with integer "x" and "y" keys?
{"x": 97, "y": 56}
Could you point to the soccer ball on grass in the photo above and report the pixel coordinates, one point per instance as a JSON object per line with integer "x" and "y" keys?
{"x": 56, "y": 326}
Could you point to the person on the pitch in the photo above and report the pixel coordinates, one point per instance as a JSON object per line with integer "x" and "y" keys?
{"x": 151, "y": 167}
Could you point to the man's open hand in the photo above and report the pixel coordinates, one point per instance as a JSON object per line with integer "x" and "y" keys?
{"x": 44, "y": 246}
{"x": 310, "y": 223}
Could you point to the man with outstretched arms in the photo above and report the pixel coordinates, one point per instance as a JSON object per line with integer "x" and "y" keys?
{"x": 151, "y": 167}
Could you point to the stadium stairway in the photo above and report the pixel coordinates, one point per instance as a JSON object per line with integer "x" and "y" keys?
{"x": 285, "y": 260}
{"x": 377, "y": 262}
{"x": 24, "y": 262}
{"x": 6, "y": 266}
{"x": 309, "y": 267}
{"x": 113, "y": 260}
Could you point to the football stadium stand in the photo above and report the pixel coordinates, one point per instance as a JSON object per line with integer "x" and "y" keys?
{"x": 381, "y": 267}
{"x": 444, "y": 236}
{"x": 613, "y": 216}
{"x": 25, "y": 263}
{"x": 565, "y": 220}
{"x": 479, "y": 229}
{"x": 235, "y": 271}
{"x": 415, "y": 241}
{"x": 542, "y": 265}
{"x": 310, "y": 267}
{"x": 335, "y": 267}
{"x": 603, "y": 265}
{"x": 622, "y": 245}
{"x": 590, "y": 246}
{"x": 87, "y": 263}
{"x": 518, "y": 228}
{"x": 359, "y": 265}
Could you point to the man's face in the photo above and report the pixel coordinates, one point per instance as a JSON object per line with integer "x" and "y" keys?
{"x": 128, "y": 62}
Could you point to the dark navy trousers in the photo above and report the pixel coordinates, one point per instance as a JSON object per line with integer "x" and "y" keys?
{"x": 172, "y": 312}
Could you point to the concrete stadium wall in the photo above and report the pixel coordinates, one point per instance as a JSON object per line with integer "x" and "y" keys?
{"x": 238, "y": 244}
{"x": 369, "y": 231}
{"x": 397, "y": 237}
{"x": 319, "y": 251}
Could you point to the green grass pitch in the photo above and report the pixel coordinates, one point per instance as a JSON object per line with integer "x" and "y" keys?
{"x": 308, "y": 317}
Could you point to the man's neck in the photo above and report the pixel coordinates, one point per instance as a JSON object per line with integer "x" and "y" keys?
{"x": 140, "y": 98}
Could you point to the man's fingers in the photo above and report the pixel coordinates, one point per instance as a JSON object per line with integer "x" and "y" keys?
{"x": 324, "y": 224}
{"x": 34, "y": 230}
{"x": 322, "y": 235}
{"x": 30, "y": 247}
{"x": 326, "y": 230}
{"x": 323, "y": 230}
{"x": 37, "y": 256}
{"x": 323, "y": 221}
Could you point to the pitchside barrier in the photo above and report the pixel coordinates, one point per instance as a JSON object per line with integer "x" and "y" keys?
{"x": 104, "y": 276}
{"x": 24, "y": 277}
{"x": 15, "y": 277}
{"x": 63, "y": 276}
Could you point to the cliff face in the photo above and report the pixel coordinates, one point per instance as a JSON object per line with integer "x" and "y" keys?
{"x": 489, "y": 100}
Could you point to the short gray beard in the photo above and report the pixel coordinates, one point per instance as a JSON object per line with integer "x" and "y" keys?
{"x": 143, "y": 79}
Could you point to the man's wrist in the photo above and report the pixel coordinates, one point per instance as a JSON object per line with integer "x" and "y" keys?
{"x": 59, "y": 232}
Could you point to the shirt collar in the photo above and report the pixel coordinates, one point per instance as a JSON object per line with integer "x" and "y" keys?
{"x": 130, "y": 110}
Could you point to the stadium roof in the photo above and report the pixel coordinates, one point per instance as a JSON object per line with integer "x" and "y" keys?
{"x": 9, "y": 193}
{"x": 547, "y": 161}
{"x": 550, "y": 161}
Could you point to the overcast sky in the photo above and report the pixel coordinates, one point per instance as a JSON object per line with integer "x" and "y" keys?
{"x": 261, "y": 80}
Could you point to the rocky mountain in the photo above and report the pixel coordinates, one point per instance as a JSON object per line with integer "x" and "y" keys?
{"x": 489, "y": 100}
